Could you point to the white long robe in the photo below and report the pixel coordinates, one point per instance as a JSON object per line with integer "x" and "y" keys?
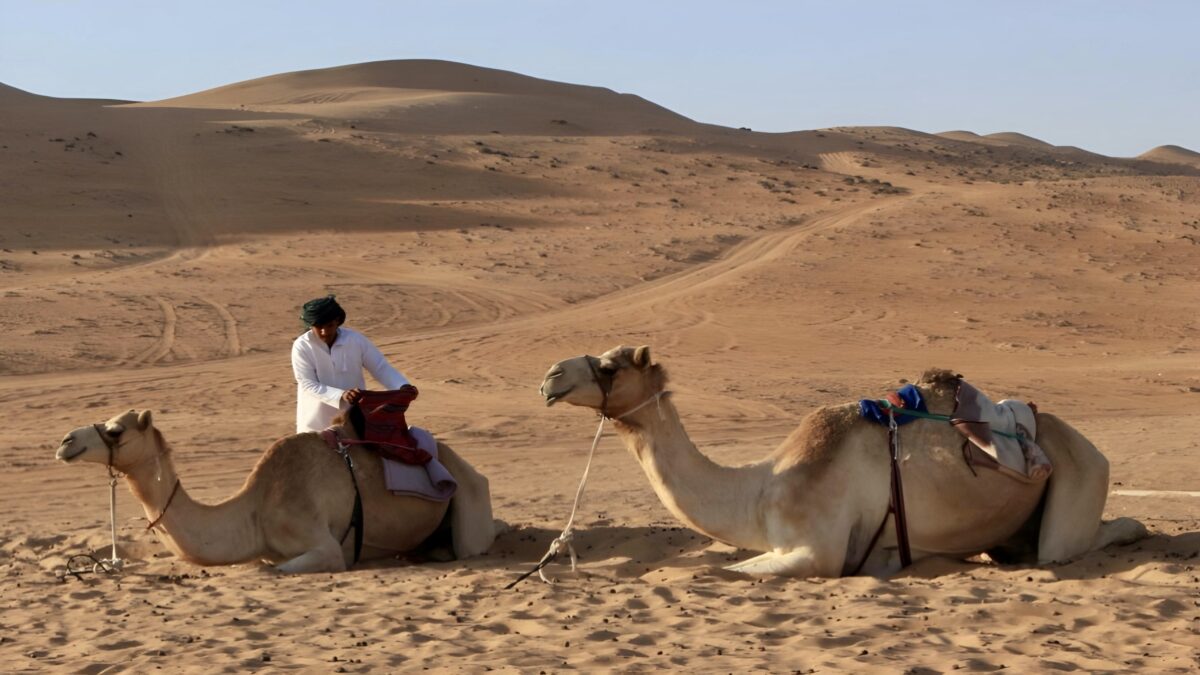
{"x": 323, "y": 374}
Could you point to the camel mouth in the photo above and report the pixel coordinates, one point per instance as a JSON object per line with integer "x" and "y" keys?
{"x": 67, "y": 454}
{"x": 551, "y": 399}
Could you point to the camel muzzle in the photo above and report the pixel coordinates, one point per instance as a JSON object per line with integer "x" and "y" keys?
{"x": 68, "y": 450}
{"x": 552, "y": 398}
{"x": 546, "y": 391}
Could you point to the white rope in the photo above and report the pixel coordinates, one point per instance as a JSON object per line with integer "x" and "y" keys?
{"x": 657, "y": 398}
{"x": 563, "y": 541}
{"x": 114, "y": 562}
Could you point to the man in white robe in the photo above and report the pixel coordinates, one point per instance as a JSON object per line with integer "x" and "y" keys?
{"x": 328, "y": 361}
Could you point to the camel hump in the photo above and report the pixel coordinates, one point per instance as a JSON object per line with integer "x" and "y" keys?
{"x": 939, "y": 384}
{"x": 817, "y": 439}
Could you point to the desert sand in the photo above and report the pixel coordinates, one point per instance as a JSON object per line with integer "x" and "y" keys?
{"x": 481, "y": 225}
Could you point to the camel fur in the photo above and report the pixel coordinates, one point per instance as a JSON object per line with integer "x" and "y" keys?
{"x": 294, "y": 507}
{"x": 813, "y": 505}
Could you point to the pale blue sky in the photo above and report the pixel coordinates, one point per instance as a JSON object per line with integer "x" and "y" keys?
{"x": 1112, "y": 77}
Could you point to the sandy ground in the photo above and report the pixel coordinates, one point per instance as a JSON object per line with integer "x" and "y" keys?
{"x": 480, "y": 226}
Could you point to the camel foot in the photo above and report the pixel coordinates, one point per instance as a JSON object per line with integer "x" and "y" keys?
{"x": 1119, "y": 531}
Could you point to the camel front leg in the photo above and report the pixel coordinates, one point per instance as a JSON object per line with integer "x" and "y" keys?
{"x": 798, "y": 562}
{"x": 326, "y": 556}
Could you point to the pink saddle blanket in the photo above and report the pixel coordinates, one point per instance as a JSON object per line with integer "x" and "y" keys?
{"x": 431, "y": 480}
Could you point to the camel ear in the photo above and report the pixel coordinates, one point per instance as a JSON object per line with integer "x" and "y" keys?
{"x": 641, "y": 356}
{"x": 143, "y": 420}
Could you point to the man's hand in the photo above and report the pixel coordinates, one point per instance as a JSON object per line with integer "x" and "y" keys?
{"x": 352, "y": 396}
{"x": 408, "y": 389}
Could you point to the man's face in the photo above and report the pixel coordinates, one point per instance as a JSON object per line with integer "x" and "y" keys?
{"x": 326, "y": 331}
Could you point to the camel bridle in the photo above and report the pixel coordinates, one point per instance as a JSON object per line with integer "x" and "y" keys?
{"x": 113, "y": 443}
{"x": 603, "y": 383}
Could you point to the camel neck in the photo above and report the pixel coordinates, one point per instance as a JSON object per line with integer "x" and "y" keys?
{"x": 719, "y": 501}
{"x": 204, "y": 534}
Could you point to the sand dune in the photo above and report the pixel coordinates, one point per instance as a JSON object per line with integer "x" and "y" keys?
{"x": 1172, "y": 154}
{"x": 1018, "y": 139}
{"x": 155, "y": 255}
{"x": 442, "y": 97}
{"x": 960, "y": 135}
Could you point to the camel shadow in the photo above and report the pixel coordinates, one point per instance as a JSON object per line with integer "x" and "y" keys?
{"x": 623, "y": 551}
{"x": 1157, "y": 554}
{"x": 634, "y": 551}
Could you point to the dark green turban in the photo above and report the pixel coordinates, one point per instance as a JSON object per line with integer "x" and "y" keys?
{"x": 322, "y": 310}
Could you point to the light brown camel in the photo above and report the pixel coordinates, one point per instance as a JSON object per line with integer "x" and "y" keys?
{"x": 295, "y": 507}
{"x": 813, "y": 506}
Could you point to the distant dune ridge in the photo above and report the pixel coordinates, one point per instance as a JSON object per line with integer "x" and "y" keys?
{"x": 1019, "y": 139}
{"x": 10, "y": 94}
{"x": 481, "y": 225}
{"x": 441, "y": 96}
{"x": 968, "y": 136}
{"x": 424, "y": 95}
{"x": 1172, "y": 154}
{"x": 1005, "y": 137}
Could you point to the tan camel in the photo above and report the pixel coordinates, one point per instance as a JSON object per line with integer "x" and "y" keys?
{"x": 295, "y": 507}
{"x": 814, "y": 505}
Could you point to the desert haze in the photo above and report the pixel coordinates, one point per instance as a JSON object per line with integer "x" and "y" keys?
{"x": 481, "y": 225}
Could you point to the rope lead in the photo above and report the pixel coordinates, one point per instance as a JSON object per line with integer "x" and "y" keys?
{"x": 563, "y": 540}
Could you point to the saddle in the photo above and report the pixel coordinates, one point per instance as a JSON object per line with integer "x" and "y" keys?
{"x": 384, "y": 427}
{"x": 997, "y": 436}
{"x": 384, "y": 430}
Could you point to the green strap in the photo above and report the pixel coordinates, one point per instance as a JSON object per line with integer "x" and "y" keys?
{"x": 887, "y": 405}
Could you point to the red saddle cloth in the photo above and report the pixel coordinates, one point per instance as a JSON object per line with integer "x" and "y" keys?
{"x": 385, "y": 427}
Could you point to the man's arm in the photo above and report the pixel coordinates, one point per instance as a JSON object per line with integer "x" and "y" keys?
{"x": 379, "y": 368}
{"x": 305, "y": 373}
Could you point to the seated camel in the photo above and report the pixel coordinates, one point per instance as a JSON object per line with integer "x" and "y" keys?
{"x": 818, "y": 505}
{"x": 295, "y": 508}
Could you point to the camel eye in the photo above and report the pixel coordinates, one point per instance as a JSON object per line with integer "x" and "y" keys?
{"x": 607, "y": 369}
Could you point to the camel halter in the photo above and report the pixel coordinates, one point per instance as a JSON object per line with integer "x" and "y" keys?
{"x": 115, "y": 563}
{"x": 563, "y": 540}
{"x": 106, "y": 565}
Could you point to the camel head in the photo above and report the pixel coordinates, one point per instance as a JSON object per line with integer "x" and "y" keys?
{"x": 616, "y": 382}
{"x": 125, "y": 440}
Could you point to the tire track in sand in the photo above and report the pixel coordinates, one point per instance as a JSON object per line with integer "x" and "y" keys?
{"x": 233, "y": 344}
{"x": 671, "y": 291}
{"x": 166, "y": 339}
